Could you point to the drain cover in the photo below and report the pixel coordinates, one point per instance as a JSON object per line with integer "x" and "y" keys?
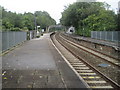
{"x": 103, "y": 65}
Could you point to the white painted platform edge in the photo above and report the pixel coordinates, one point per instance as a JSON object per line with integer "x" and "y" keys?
{"x": 70, "y": 65}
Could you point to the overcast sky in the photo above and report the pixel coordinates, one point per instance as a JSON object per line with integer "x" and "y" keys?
{"x": 53, "y": 7}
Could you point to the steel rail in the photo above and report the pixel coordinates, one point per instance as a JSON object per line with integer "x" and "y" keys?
{"x": 116, "y": 85}
{"x": 91, "y": 52}
{"x": 91, "y": 48}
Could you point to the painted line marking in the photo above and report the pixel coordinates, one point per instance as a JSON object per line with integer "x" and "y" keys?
{"x": 3, "y": 73}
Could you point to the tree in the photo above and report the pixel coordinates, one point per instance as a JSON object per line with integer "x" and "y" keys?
{"x": 13, "y": 21}
{"x": 118, "y": 22}
{"x": 0, "y": 18}
{"x": 87, "y": 17}
{"x": 43, "y": 19}
{"x": 28, "y": 21}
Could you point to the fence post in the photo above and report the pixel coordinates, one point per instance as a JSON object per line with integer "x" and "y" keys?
{"x": 0, "y": 42}
{"x": 7, "y": 40}
{"x": 100, "y": 35}
{"x": 28, "y": 35}
{"x": 112, "y": 36}
{"x": 105, "y": 35}
{"x": 95, "y": 35}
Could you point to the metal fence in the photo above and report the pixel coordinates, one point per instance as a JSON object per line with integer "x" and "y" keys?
{"x": 33, "y": 34}
{"x": 106, "y": 35}
{"x": 0, "y": 41}
{"x": 10, "y": 39}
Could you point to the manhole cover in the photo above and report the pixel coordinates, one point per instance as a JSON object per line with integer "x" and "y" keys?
{"x": 103, "y": 65}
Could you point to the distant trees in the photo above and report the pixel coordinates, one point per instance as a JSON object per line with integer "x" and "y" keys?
{"x": 43, "y": 19}
{"x": 87, "y": 17}
{"x": 28, "y": 21}
{"x": 0, "y": 18}
{"x": 118, "y": 21}
{"x": 15, "y": 22}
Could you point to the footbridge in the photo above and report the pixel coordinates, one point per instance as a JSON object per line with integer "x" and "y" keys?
{"x": 55, "y": 26}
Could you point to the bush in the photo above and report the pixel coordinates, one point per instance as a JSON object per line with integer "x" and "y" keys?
{"x": 15, "y": 29}
{"x": 41, "y": 34}
{"x": 37, "y": 36}
{"x": 25, "y": 29}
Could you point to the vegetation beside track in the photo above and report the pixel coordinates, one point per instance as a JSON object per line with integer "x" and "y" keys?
{"x": 87, "y": 17}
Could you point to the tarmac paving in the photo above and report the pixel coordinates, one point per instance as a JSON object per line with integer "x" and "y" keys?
{"x": 37, "y": 64}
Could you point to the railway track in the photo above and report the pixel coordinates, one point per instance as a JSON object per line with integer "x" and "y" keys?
{"x": 93, "y": 77}
{"x": 105, "y": 57}
{"x": 78, "y": 40}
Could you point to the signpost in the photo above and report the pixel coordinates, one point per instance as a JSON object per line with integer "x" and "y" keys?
{"x": 38, "y": 33}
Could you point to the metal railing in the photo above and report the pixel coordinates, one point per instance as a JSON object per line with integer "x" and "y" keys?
{"x": 12, "y": 38}
{"x": 113, "y": 36}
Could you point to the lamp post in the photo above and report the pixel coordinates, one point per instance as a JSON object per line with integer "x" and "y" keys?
{"x": 35, "y": 31}
{"x": 35, "y": 22}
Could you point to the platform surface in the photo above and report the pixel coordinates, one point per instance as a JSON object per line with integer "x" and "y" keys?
{"x": 37, "y": 64}
{"x": 102, "y": 42}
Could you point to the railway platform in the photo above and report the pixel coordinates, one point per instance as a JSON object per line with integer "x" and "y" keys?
{"x": 37, "y": 64}
{"x": 107, "y": 47}
{"x": 102, "y": 42}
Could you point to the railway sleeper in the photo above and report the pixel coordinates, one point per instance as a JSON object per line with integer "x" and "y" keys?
{"x": 72, "y": 62}
{"x": 95, "y": 81}
{"x": 88, "y": 73}
{"x": 76, "y": 63}
{"x": 83, "y": 68}
{"x": 104, "y": 87}
{"x": 84, "y": 71}
{"x": 82, "y": 65}
{"x": 98, "y": 84}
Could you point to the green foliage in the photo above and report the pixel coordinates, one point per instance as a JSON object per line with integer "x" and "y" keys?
{"x": 37, "y": 36}
{"x": 118, "y": 21}
{"x": 43, "y": 19}
{"x": 13, "y": 21}
{"x": 0, "y": 18}
{"x": 15, "y": 29}
{"x": 87, "y": 17}
{"x": 25, "y": 29}
{"x": 104, "y": 21}
{"x": 57, "y": 28}
{"x": 28, "y": 21}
